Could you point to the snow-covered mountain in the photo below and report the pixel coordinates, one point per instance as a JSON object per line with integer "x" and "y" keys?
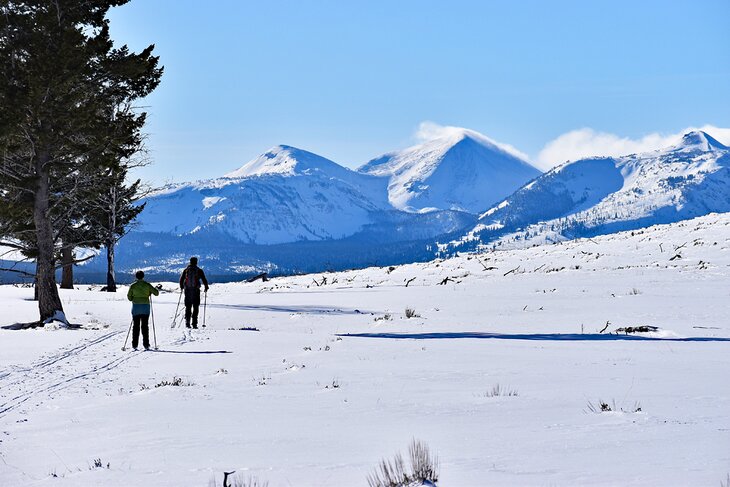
{"x": 291, "y": 211}
{"x": 284, "y": 195}
{"x": 608, "y": 194}
{"x": 462, "y": 170}
{"x": 288, "y": 210}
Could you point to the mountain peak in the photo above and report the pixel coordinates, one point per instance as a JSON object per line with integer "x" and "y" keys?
{"x": 455, "y": 168}
{"x": 699, "y": 140}
{"x": 284, "y": 160}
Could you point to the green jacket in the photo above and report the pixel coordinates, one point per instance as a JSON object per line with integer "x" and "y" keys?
{"x": 140, "y": 291}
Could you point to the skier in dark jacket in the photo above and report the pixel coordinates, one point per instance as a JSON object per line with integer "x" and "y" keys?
{"x": 190, "y": 283}
{"x": 139, "y": 294}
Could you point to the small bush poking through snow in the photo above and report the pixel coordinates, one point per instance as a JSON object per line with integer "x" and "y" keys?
{"x": 393, "y": 473}
{"x": 176, "y": 382}
{"x": 411, "y": 313}
{"x": 636, "y": 329}
{"x": 98, "y": 464}
{"x": 229, "y": 480}
{"x": 499, "y": 391}
{"x": 604, "y": 407}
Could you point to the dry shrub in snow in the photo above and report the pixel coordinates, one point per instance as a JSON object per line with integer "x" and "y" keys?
{"x": 97, "y": 464}
{"x": 230, "y": 480}
{"x": 411, "y": 313}
{"x": 499, "y": 391}
{"x": 393, "y": 473}
{"x": 175, "y": 382}
{"x": 604, "y": 407}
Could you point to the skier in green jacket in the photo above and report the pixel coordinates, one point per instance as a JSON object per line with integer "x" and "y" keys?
{"x": 139, "y": 294}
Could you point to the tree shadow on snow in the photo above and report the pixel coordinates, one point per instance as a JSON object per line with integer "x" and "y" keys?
{"x": 291, "y": 309}
{"x": 577, "y": 337}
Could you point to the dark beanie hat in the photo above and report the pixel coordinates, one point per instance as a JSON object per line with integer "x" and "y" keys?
{"x": 139, "y": 275}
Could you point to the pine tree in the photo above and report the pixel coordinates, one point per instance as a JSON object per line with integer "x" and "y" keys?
{"x": 115, "y": 209}
{"x": 66, "y": 99}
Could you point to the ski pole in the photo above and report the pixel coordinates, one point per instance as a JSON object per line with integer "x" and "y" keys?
{"x": 174, "y": 320}
{"x": 124, "y": 347}
{"x": 154, "y": 333}
{"x": 205, "y": 307}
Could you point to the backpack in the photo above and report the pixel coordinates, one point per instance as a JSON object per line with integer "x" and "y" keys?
{"x": 191, "y": 277}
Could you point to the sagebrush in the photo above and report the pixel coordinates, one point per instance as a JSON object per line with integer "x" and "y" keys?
{"x": 393, "y": 473}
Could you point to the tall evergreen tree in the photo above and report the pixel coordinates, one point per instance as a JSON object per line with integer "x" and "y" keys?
{"x": 66, "y": 98}
{"x": 115, "y": 209}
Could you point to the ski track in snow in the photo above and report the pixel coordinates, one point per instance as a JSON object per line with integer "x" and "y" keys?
{"x": 42, "y": 379}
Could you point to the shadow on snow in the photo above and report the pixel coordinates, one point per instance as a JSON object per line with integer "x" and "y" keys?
{"x": 290, "y": 309}
{"x": 193, "y": 352}
{"x": 578, "y": 337}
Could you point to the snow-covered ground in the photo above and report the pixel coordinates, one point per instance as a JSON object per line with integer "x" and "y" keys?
{"x": 337, "y": 377}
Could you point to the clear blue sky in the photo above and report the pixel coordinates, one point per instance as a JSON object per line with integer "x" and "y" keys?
{"x": 352, "y": 79}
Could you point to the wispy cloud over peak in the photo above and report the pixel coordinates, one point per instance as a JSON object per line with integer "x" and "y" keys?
{"x": 428, "y": 131}
{"x": 587, "y": 142}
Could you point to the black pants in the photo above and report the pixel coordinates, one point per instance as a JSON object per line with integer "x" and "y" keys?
{"x": 144, "y": 321}
{"x": 192, "y": 300}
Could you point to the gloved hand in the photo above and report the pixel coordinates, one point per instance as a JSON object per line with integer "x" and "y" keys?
{"x": 206, "y": 289}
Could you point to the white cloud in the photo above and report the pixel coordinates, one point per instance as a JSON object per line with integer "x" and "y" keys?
{"x": 586, "y": 142}
{"x": 428, "y": 131}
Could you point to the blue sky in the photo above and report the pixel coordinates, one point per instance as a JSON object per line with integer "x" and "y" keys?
{"x": 350, "y": 80}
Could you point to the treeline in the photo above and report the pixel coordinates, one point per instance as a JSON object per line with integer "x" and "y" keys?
{"x": 70, "y": 132}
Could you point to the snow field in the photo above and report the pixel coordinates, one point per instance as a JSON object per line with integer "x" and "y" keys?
{"x": 305, "y": 402}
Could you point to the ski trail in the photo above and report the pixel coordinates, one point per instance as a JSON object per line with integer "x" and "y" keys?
{"x": 62, "y": 384}
{"x": 56, "y": 372}
{"x": 60, "y": 356}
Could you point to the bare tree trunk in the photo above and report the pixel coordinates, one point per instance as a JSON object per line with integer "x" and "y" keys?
{"x": 48, "y": 299}
{"x": 35, "y": 284}
{"x": 67, "y": 274}
{"x": 111, "y": 283}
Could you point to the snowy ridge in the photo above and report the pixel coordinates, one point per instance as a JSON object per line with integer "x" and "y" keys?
{"x": 288, "y": 210}
{"x": 285, "y": 195}
{"x": 284, "y": 160}
{"x": 603, "y": 195}
{"x": 462, "y": 170}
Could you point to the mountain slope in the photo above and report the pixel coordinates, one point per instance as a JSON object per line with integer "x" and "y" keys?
{"x": 461, "y": 171}
{"x": 285, "y": 195}
{"x": 287, "y": 211}
{"x": 603, "y": 195}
